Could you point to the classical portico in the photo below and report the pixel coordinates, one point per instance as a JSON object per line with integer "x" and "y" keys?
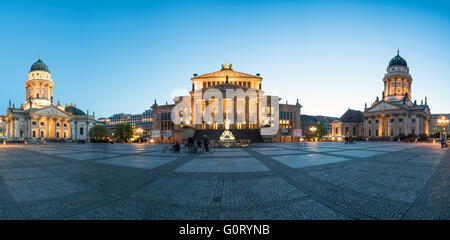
{"x": 228, "y": 94}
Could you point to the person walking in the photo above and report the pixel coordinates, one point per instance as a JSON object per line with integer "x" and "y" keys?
{"x": 206, "y": 143}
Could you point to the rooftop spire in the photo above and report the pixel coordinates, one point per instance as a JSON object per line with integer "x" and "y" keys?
{"x": 398, "y": 52}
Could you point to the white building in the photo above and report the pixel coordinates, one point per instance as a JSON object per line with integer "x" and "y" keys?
{"x": 39, "y": 118}
{"x": 396, "y": 113}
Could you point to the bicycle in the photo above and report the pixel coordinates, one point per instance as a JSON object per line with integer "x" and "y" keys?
{"x": 169, "y": 148}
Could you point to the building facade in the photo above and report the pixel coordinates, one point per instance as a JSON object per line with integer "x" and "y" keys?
{"x": 142, "y": 121}
{"x": 395, "y": 113}
{"x": 351, "y": 123}
{"x": 434, "y": 125}
{"x": 40, "y": 118}
{"x": 243, "y": 111}
{"x": 2, "y": 127}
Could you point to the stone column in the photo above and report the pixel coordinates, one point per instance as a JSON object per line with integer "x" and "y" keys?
{"x": 247, "y": 109}
{"x": 14, "y": 128}
{"x": 405, "y": 124}
{"x": 55, "y": 120}
{"x": 30, "y": 126}
{"x": 386, "y": 128}
{"x": 417, "y": 126}
{"x": 48, "y": 127}
{"x": 75, "y": 136}
{"x": 234, "y": 112}
{"x": 39, "y": 128}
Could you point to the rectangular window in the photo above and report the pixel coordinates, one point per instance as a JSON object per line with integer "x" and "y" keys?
{"x": 413, "y": 120}
{"x": 204, "y": 85}
{"x": 400, "y": 119}
{"x": 42, "y": 123}
{"x": 370, "y": 133}
{"x": 34, "y": 123}
{"x": 57, "y": 124}
{"x": 376, "y": 121}
{"x": 34, "y": 134}
{"x": 392, "y": 120}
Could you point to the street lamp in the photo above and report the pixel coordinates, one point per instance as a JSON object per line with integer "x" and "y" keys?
{"x": 313, "y": 129}
{"x": 140, "y": 131}
{"x": 443, "y": 122}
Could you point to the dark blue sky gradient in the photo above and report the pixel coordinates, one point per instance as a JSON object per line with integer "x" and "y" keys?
{"x": 118, "y": 56}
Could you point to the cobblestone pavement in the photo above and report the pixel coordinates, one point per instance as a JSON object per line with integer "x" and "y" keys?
{"x": 370, "y": 180}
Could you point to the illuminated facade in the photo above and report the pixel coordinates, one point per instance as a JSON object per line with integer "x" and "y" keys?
{"x": 142, "y": 121}
{"x": 396, "y": 113}
{"x": 40, "y": 118}
{"x": 233, "y": 95}
{"x": 435, "y": 128}
{"x": 351, "y": 123}
{"x": 2, "y": 127}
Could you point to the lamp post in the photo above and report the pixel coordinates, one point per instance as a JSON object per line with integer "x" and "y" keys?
{"x": 313, "y": 129}
{"x": 443, "y": 122}
{"x": 140, "y": 131}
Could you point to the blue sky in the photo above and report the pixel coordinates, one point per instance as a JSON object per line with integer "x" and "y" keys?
{"x": 118, "y": 56}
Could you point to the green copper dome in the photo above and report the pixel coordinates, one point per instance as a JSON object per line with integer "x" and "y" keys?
{"x": 397, "y": 60}
{"x": 74, "y": 111}
{"x": 39, "y": 66}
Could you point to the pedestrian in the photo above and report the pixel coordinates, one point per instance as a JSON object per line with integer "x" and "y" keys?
{"x": 206, "y": 143}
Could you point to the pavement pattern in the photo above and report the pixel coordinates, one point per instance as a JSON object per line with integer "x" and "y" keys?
{"x": 368, "y": 180}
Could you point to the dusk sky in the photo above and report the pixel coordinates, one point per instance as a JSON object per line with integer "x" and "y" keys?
{"x": 118, "y": 56}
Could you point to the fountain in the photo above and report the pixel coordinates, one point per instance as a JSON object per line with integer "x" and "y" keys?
{"x": 227, "y": 139}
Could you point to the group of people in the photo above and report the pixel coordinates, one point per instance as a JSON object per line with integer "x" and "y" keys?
{"x": 194, "y": 146}
{"x": 350, "y": 139}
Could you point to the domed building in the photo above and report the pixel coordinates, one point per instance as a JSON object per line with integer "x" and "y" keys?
{"x": 40, "y": 118}
{"x": 396, "y": 113}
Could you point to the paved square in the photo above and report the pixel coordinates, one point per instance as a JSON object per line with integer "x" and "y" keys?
{"x": 307, "y": 160}
{"x": 358, "y": 153}
{"x": 139, "y": 161}
{"x": 366, "y": 180}
{"x": 222, "y": 165}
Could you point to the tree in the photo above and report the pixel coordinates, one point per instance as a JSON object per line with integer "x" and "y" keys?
{"x": 98, "y": 132}
{"x": 124, "y": 132}
{"x": 322, "y": 129}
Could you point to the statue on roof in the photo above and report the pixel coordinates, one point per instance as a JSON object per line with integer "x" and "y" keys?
{"x": 227, "y": 66}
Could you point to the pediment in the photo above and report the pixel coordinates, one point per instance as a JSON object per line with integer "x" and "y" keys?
{"x": 383, "y": 106}
{"x": 50, "y": 111}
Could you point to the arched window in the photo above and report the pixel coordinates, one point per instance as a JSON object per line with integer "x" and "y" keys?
{"x": 81, "y": 130}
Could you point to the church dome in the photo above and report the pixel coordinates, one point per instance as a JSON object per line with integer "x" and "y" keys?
{"x": 397, "y": 60}
{"x": 74, "y": 111}
{"x": 39, "y": 66}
